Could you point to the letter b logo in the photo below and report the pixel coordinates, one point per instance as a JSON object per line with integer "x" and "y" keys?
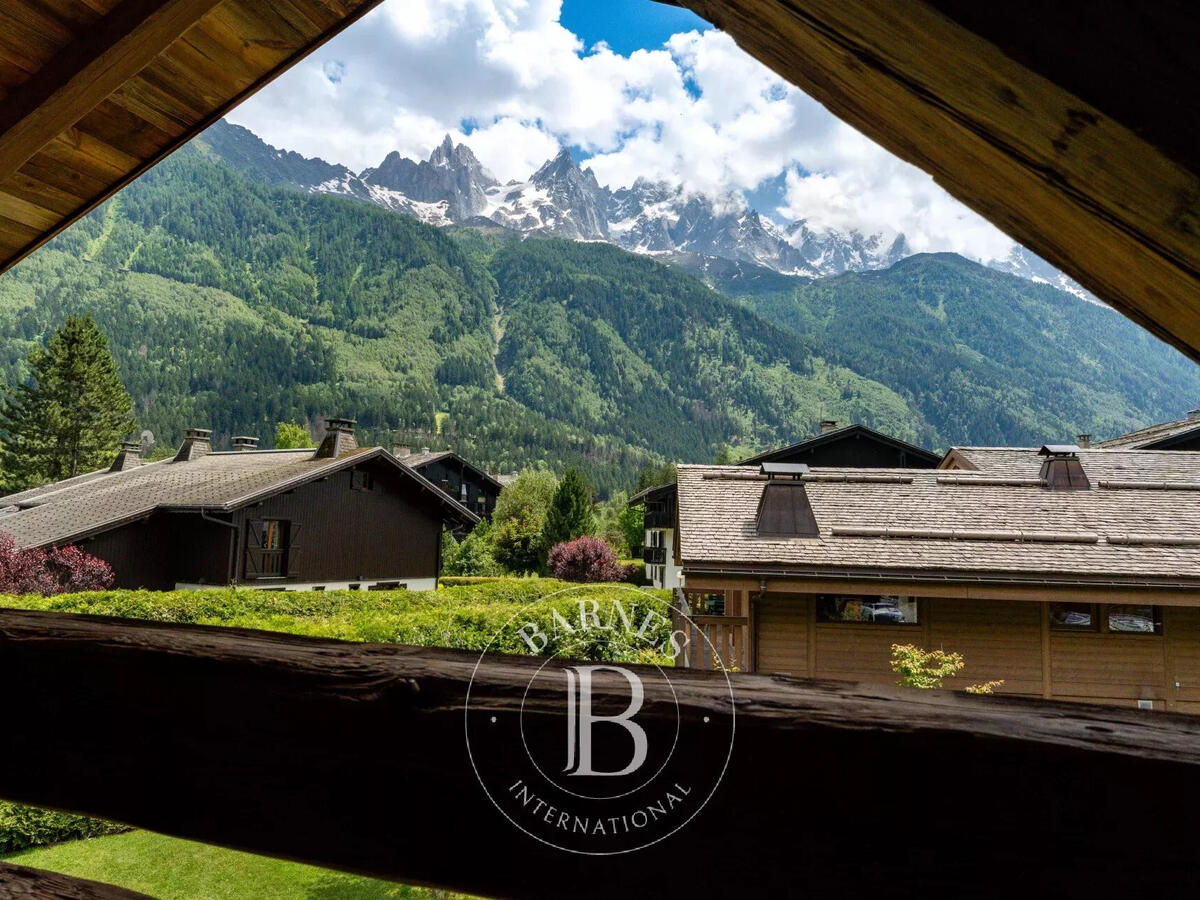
{"x": 580, "y": 720}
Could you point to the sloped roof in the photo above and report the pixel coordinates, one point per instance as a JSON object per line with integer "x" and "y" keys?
{"x": 1099, "y": 463}
{"x": 418, "y": 461}
{"x": 1152, "y": 434}
{"x": 846, "y": 432}
{"x": 654, "y": 492}
{"x": 938, "y": 524}
{"x": 100, "y": 501}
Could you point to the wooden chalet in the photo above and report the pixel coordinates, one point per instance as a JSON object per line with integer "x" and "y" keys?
{"x": 1066, "y": 573}
{"x": 343, "y": 516}
{"x": 1181, "y": 434}
{"x": 1071, "y": 126}
{"x": 462, "y": 481}
{"x": 850, "y": 445}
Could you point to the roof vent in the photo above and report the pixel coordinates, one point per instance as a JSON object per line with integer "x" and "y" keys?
{"x": 245, "y": 442}
{"x": 1193, "y": 414}
{"x": 1084, "y": 441}
{"x": 784, "y": 511}
{"x": 197, "y": 442}
{"x": 793, "y": 471}
{"x": 130, "y": 457}
{"x": 339, "y": 439}
{"x": 828, "y": 425}
{"x": 1062, "y": 470}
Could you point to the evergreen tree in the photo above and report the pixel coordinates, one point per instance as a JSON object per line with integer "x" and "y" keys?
{"x": 70, "y": 414}
{"x": 570, "y": 513}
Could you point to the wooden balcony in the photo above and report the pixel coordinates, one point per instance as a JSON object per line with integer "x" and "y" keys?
{"x": 716, "y": 643}
{"x": 654, "y": 556}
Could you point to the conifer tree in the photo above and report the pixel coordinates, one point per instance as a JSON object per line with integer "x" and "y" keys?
{"x": 70, "y": 415}
{"x": 570, "y": 513}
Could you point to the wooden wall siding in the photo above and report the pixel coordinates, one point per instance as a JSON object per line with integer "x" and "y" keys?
{"x": 861, "y": 652}
{"x": 452, "y": 473}
{"x": 1181, "y": 628}
{"x": 1107, "y": 666}
{"x": 93, "y": 92}
{"x": 344, "y": 533}
{"x": 165, "y": 549}
{"x": 782, "y": 625}
{"x": 1076, "y": 155}
{"x": 998, "y": 640}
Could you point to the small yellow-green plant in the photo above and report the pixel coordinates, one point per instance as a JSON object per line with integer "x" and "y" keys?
{"x": 986, "y": 687}
{"x": 925, "y": 669}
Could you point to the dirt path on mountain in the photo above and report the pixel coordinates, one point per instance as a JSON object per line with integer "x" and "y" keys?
{"x": 498, "y": 332}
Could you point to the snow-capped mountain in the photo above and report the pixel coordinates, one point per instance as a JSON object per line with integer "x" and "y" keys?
{"x": 561, "y": 199}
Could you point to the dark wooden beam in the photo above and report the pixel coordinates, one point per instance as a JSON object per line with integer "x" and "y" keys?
{"x": 23, "y": 883}
{"x": 87, "y": 70}
{"x": 1070, "y": 126}
{"x": 353, "y": 756}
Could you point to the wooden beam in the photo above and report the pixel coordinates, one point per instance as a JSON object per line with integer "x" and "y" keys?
{"x": 1004, "y": 107}
{"x": 86, "y": 71}
{"x": 353, "y": 756}
{"x": 18, "y": 882}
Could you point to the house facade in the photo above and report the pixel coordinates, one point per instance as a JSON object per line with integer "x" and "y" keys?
{"x": 462, "y": 481}
{"x": 1181, "y": 434}
{"x": 340, "y": 517}
{"x": 856, "y": 446}
{"x": 1065, "y": 573}
{"x": 658, "y": 551}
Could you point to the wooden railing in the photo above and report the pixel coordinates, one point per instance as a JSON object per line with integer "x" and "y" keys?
{"x": 352, "y": 756}
{"x": 718, "y": 643}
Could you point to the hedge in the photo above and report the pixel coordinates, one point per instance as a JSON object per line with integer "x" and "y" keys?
{"x": 22, "y": 827}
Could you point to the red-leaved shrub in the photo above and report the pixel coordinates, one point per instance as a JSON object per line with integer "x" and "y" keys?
{"x": 584, "y": 559}
{"x": 58, "y": 570}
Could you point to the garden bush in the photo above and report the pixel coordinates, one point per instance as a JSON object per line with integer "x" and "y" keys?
{"x": 56, "y": 570}
{"x": 22, "y": 827}
{"x": 585, "y": 559}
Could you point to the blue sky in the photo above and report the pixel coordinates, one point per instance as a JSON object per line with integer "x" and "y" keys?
{"x": 628, "y": 25}
{"x": 634, "y": 88}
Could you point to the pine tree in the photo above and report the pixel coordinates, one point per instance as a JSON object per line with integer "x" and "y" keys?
{"x": 570, "y": 513}
{"x": 70, "y": 415}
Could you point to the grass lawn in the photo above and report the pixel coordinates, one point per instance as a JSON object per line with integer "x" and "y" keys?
{"x": 172, "y": 869}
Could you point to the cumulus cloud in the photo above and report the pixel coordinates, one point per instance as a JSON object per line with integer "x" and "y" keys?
{"x": 510, "y": 80}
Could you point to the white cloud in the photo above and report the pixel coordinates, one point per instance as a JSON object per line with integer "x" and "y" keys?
{"x": 697, "y": 111}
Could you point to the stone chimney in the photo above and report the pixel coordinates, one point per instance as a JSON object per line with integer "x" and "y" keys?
{"x": 339, "y": 439}
{"x": 197, "y": 442}
{"x": 130, "y": 457}
{"x": 828, "y": 425}
{"x": 400, "y": 451}
{"x": 245, "y": 442}
{"x": 1084, "y": 441}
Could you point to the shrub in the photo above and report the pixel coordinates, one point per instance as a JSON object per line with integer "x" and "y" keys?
{"x": 472, "y": 556}
{"x": 585, "y": 559}
{"x": 59, "y": 570}
{"x": 22, "y": 827}
{"x": 924, "y": 669}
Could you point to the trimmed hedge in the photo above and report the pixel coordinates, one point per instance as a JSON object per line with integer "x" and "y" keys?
{"x": 22, "y": 827}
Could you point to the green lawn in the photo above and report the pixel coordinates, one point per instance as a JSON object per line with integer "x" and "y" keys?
{"x": 172, "y": 869}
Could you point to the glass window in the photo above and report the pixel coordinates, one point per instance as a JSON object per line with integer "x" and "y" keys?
{"x": 704, "y": 603}
{"x": 880, "y": 610}
{"x": 1074, "y": 617}
{"x": 1134, "y": 619}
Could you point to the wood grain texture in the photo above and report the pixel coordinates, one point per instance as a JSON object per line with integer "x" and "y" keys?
{"x": 1003, "y": 106}
{"x": 23, "y": 883}
{"x": 352, "y": 756}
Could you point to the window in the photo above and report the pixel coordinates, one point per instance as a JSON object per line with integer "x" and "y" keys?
{"x": 1134, "y": 619}
{"x": 361, "y": 480}
{"x": 269, "y": 543}
{"x": 872, "y": 609}
{"x": 704, "y": 603}
{"x": 387, "y": 586}
{"x": 462, "y": 492}
{"x": 1074, "y": 617}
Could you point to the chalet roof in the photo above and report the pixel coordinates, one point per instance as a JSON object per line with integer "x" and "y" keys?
{"x": 218, "y": 482}
{"x": 1099, "y": 463}
{"x": 846, "y": 432}
{"x": 418, "y": 461}
{"x": 654, "y": 492}
{"x": 1152, "y": 434}
{"x": 94, "y": 92}
{"x": 923, "y": 523}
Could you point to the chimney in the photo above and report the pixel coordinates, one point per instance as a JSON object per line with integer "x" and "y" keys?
{"x": 339, "y": 439}
{"x": 828, "y": 425}
{"x": 424, "y": 449}
{"x": 197, "y": 442}
{"x": 1084, "y": 441}
{"x": 1062, "y": 470}
{"x": 245, "y": 442}
{"x": 130, "y": 457}
{"x": 1193, "y": 414}
{"x": 400, "y": 451}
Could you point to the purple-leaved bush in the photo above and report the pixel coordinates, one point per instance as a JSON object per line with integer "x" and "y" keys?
{"x": 57, "y": 570}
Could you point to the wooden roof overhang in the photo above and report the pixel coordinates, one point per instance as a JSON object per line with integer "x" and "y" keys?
{"x": 1071, "y": 125}
{"x": 94, "y": 92}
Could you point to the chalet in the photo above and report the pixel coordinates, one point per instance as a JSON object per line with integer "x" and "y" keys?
{"x": 1064, "y": 572}
{"x": 343, "y": 516}
{"x": 849, "y": 446}
{"x": 1181, "y": 434}
{"x": 468, "y": 484}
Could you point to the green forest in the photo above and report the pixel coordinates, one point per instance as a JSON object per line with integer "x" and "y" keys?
{"x": 234, "y": 305}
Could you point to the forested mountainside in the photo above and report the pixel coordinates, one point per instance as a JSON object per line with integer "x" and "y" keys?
{"x": 236, "y": 304}
{"x": 984, "y": 357}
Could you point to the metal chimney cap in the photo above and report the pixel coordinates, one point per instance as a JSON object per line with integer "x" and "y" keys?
{"x": 198, "y": 434}
{"x": 336, "y": 423}
{"x": 130, "y": 446}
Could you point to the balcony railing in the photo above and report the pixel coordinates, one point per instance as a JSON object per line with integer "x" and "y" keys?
{"x": 654, "y": 556}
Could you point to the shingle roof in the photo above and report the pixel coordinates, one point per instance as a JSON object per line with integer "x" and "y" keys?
{"x": 420, "y": 460}
{"x": 1100, "y": 464}
{"x": 1152, "y": 434}
{"x": 903, "y": 523}
{"x": 99, "y": 501}
{"x": 838, "y": 434}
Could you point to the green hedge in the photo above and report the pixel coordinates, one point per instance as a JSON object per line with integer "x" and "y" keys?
{"x": 22, "y": 827}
